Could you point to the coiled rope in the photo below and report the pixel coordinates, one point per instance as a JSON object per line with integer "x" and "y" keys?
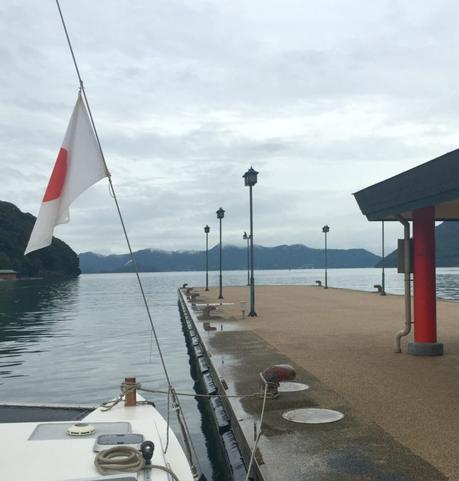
{"x": 126, "y": 460}
{"x": 119, "y": 458}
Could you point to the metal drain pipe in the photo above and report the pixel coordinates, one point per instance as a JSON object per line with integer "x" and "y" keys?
{"x": 407, "y": 268}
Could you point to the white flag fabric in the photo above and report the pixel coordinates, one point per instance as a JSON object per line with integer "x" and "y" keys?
{"x": 79, "y": 165}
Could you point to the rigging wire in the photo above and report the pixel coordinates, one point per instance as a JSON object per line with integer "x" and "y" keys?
{"x": 131, "y": 255}
{"x": 113, "y": 193}
{"x": 196, "y": 395}
{"x": 168, "y": 418}
{"x": 252, "y": 456}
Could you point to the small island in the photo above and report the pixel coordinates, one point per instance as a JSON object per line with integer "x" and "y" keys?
{"x": 58, "y": 260}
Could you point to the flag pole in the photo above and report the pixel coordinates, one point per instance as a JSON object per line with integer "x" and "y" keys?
{"x": 131, "y": 254}
{"x": 82, "y": 90}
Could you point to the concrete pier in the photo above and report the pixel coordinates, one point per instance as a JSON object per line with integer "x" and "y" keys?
{"x": 401, "y": 412}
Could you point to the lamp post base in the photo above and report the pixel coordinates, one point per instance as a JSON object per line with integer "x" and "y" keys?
{"x": 220, "y": 297}
{"x": 253, "y": 314}
{"x": 207, "y": 288}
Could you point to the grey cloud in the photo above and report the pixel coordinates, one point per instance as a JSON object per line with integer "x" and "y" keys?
{"x": 322, "y": 98}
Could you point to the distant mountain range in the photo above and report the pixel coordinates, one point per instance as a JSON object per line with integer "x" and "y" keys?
{"x": 446, "y": 247}
{"x": 296, "y": 256}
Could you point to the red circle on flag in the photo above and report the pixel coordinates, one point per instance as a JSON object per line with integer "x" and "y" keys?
{"x": 56, "y": 182}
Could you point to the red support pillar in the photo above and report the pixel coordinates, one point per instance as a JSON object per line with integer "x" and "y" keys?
{"x": 425, "y": 309}
{"x": 425, "y": 302}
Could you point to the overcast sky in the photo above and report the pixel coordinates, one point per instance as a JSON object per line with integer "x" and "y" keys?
{"x": 322, "y": 97}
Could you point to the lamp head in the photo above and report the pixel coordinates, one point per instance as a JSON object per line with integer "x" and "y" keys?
{"x": 325, "y": 229}
{"x": 220, "y": 213}
{"x": 206, "y": 229}
{"x": 250, "y": 177}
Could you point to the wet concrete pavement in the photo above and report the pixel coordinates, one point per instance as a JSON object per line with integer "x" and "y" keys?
{"x": 360, "y": 447}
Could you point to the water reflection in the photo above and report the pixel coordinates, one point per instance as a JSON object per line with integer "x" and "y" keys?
{"x": 98, "y": 322}
{"x": 31, "y": 311}
{"x": 74, "y": 341}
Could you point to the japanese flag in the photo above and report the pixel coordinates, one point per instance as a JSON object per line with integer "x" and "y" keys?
{"x": 79, "y": 165}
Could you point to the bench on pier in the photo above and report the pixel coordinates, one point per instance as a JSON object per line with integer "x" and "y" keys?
{"x": 207, "y": 310}
{"x": 193, "y": 297}
{"x": 208, "y": 327}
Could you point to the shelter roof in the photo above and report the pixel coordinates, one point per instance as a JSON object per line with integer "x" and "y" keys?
{"x": 434, "y": 183}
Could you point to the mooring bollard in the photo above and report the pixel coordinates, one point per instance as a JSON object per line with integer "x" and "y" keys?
{"x": 271, "y": 377}
{"x": 130, "y": 398}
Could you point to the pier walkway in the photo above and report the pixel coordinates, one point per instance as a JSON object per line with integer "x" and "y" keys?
{"x": 401, "y": 412}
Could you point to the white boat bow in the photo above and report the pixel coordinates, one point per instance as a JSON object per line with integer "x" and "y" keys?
{"x": 45, "y": 451}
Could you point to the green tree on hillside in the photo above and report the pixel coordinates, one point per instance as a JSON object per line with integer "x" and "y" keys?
{"x": 15, "y": 227}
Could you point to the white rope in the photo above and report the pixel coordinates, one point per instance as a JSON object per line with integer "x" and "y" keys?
{"x": 125, "y": 459}
{"x": 126, "y": 388}
{"x": 164, "y": 468}
{"x": 252, "y": 456}
{"x": 119, "y": 458}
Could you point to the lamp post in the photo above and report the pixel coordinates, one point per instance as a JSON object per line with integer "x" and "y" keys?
{"x": 326, "y": 230}
{"x": 383, "y": 274}
{"x": 247, "y": 238}
{"x": 220, "y": 215}
{"x": 250, "y": 179}
{"x": 206, "y": 231}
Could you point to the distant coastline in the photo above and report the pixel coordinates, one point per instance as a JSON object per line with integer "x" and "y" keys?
{"x": 295, "y": 256}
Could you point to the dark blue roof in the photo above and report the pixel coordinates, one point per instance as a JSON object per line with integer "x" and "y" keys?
{"x": 434, "y": 183}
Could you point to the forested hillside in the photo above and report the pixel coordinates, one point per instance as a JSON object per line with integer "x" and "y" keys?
{"x": 446, "y": 247}
{"x": 57, "y": 260}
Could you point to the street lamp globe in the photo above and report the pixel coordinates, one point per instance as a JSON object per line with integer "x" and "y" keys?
{"x": 220, "y": 213}
{"x": 325, "y": 229}
{"x": 250, "y": 177}
{"x": 206, "y": 229}
{"x": 245, "y": 236}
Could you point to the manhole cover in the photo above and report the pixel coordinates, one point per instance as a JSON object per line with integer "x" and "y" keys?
{"x": 313, "y": 416}
{"x": 292, "y": 386}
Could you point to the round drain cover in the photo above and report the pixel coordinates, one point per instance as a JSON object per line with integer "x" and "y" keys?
{"x": 313, "y": 416}
{"x": 292, "y": 386}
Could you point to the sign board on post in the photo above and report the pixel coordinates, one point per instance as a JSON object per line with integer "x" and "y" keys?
{"x": 401, "y": 255}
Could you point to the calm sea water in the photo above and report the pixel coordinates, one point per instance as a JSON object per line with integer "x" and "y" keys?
{"x": 73, "y": 341}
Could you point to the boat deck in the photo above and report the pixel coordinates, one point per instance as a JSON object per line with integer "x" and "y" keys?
{"x": 401, "y": 420}
{"x": 39, "y": 450}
